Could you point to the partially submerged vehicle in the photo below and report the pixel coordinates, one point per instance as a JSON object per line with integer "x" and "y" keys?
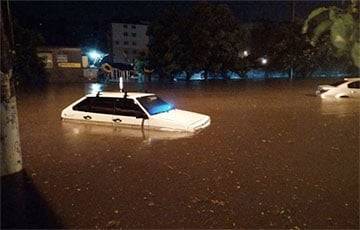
{"x": 349, "y": 87}
{"x": 134, "y": 109}
{"x": 147, "y": 136}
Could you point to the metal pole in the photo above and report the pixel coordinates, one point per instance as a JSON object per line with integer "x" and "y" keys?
{"x": 121, "y": 84}
{"x": 293, "y": 10}
{"x": 291, "y": 71}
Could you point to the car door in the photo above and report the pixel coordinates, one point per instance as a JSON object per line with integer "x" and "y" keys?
{"x": 354, "y": 89}
{"x": 101, "y": 109}
{"x": 93, "y": 109}
{"x": 128, "y": 113}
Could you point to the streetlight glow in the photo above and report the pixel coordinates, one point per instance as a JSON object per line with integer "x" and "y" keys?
{"x": 264, "y": 61}
{"x": 94, "y": 55}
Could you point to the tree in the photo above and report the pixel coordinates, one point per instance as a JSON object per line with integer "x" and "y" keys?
{"x": 286, "y": 49}
{"x": 216, "y": 38}
{"x": 342, "y": 26}
{"x": 143, "y": 67}
{"x": 11, "y": 161}
{"x": 29, "y": 69}
{"x": 323, "y": 57}
{"x": 167, "y": 42}
{"x": 204, "y": 38}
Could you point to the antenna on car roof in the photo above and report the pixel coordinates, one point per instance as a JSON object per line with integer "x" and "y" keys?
{"x": 98, "y": 94}
{"x": 125, "y": 95}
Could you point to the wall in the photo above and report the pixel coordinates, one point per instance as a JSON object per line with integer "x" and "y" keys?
{"x": 127, "y": 41}
{"x": 65, "y": 64}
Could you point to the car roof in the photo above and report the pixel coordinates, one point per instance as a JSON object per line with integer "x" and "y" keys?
{"x": 120, "y": 94}
{"x": 352, "y": 79}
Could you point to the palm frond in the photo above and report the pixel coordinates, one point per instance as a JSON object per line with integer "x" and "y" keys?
{"x": 319, "y": 30}
{"x": 311, "y": 16}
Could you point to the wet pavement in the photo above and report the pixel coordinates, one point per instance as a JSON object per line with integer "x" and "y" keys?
{"x": 274, "y": 156}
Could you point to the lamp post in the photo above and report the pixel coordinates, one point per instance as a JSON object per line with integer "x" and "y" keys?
{"x": 264, "y": 61}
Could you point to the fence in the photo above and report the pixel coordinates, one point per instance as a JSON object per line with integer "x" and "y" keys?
{"x": 116, "y": 73}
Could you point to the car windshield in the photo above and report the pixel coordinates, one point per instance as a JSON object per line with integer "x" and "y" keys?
{"x": 338, "y": 83}
{"x": 154, "y": 105}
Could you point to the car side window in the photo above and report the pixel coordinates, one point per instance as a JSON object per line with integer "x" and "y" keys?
{"x": 102, "y": 105}
{"x": 83, "y": 105}
{"x": 354, "y": 85}
{"x": 127, "y": 107}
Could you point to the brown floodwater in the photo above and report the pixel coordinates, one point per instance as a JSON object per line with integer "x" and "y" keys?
{"x": 274, "y": 156}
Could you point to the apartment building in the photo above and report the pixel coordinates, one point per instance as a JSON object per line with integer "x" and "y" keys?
{"x": 127, "y": 41}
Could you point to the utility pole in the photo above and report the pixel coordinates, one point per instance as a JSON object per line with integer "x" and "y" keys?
{"x": 293, "y": 11}
{"x": 291, "y": 70}
{"x": 10, "y": 151}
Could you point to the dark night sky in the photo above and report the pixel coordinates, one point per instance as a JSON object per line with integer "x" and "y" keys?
{"x": 84, "y": 22}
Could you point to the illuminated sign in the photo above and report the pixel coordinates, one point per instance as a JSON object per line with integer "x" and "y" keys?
{"x": 69, "y": 65}
{"x": 61, "y": 58}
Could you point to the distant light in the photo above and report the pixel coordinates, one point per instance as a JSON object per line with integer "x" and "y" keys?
{"x": 264, "y": 61}
{"x": 94, "y": 55}
{"x": 246, "y": 53}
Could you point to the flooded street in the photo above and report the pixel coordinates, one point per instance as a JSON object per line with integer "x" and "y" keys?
{"x": 274, "y": 156}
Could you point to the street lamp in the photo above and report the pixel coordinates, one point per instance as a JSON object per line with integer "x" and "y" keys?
{"x": 94, "y": 55}
{"x": 264, "y": 61}
{"x": 243, "y": 54}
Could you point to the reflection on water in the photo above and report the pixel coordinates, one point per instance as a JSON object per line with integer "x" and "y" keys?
{"x": 339, "y": 106}
{"x": 94, "y": 88}
{"x": 23, "y": 207}
{"x": 147, "y": 135}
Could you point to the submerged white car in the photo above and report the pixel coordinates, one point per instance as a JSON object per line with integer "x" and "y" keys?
{"x": 349, "y": 87}
{"x": 134, "y": 109}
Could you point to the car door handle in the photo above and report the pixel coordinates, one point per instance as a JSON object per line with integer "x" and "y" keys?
{"x": 87, "y": 117}
{"x": 117, "y": 120}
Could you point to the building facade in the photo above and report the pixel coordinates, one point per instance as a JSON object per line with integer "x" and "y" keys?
{"x": 127, "y": 41}
{"x": 66, "y": 64}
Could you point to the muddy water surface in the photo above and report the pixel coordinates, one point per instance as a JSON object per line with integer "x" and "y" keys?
{"x": 274, "y": 156}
